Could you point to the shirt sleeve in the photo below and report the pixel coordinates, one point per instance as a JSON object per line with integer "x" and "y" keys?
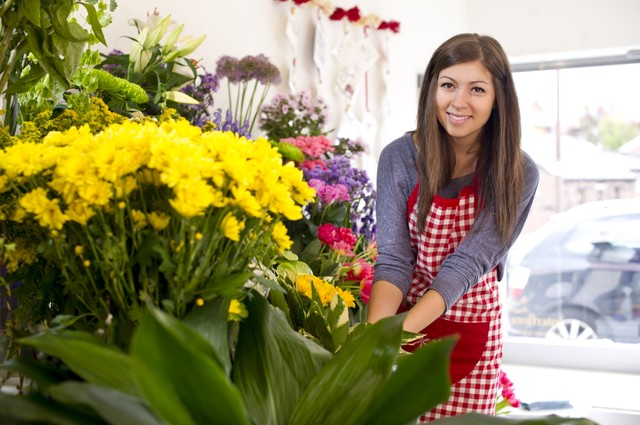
{"x": 481, "y": 249}
{"x": 396, "y": 179}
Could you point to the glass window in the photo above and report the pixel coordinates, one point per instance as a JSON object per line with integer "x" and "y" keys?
{"x": 573, "y": 274}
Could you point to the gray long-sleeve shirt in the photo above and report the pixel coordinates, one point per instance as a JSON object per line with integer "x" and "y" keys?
{"x": 478, "y": 253}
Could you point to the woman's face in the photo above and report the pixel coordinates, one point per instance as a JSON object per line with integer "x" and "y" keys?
{"x": 465, "y": 98}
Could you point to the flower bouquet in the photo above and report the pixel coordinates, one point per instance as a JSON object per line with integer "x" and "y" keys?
{"x": 99, "y": 225}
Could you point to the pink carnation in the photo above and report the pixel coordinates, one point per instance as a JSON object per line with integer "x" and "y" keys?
{"x": 313, "y": 147}
{"x": 330, "y": 193}
{"x": 310, "y": 164}
{"x": 340, "y": 239}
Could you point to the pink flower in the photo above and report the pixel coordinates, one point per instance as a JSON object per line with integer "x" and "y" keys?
{"x": 313, "y": 147}
{"x": 362, "y": 272}
{"x": 310, "y": 164}
{"x": 339, "y": 239}
{"x": 507, "y": 390}
{"x": 333, "y": 193}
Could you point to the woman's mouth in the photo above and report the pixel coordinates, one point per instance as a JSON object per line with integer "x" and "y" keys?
{"x": 458, "y": 119}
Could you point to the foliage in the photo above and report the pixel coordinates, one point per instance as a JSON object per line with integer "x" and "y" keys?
{"x": 158, "y": 62}
{"x": 606, "y": 130}
{"x": 178, "y": 372}
{"x": 159, "y": 212}
{"x": 246, "y": 75}
{"x": 42, "y": 44}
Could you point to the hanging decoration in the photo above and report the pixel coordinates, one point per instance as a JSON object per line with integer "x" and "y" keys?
{"x": 352, "y": 15}
{"x": 293, "y": 35}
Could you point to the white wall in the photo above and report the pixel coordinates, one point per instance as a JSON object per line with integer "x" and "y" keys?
{"x": 542, "y": 28}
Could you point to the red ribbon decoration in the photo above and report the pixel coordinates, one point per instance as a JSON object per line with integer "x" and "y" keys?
{"x": 353, "y": 14}
{"x": 390, "y": 25}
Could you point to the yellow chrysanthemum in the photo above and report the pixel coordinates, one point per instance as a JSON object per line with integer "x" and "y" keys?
{"x": 192, "y": 198}
{"x": 47, "y": 211}
{"x": 139, "y": 219}
{"x": 158, "y": 220}
{"x": 281, "y": 237}
{"x": 80, "y": 212}
{"x": 231, "y": 227}
{"x": 326, "y": 291}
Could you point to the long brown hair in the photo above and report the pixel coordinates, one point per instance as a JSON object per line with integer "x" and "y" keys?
{"x": 499, "y": 169}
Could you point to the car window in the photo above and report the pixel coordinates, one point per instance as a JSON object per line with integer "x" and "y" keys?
{"x": 619, "y": 230}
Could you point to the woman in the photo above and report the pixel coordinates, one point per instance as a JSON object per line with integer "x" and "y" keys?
{"x": 452, "y": 196}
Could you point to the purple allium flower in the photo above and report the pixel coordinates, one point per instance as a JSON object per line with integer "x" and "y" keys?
{"x": 228, "y": 67}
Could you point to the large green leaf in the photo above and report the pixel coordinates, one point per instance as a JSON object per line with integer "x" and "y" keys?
{"x": 210, "y": 321}
{"x": 186, "y": 364}
{"x": 20, "y": 409}
{"x": 346, "y": 387}
{"x": 88, "y": 357}
{"x": 273, "y": 363}
{"x": 420, "y": 383}
{"x": 113, "y": 406}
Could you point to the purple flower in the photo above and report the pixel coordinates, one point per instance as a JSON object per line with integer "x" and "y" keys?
{"x": 202, "y": 91}
{"x": 230, "y": 124}
{"x": 248, "y": 68}
{"x": 359, "y": 187}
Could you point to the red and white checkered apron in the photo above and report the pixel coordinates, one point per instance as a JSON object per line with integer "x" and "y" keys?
{"x": 475, "y": 318}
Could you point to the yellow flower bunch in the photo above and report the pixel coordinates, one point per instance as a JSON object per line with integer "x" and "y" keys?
{"x": 163, "y": 210}
{"x": 326, "y": 291}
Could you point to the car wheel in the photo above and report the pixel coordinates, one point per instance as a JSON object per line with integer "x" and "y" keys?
{"x": 574, "y": 326}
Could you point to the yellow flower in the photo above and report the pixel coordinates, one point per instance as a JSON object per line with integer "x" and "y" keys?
{"x": 326, "y": 291}
{"x": 192, "y": 198}
{"x": 245, "y": 200}
{"x": 46, "y": 211}
{"x": 79, "y": 212}
{"x": 199, "y": 302}
{"x": 198, "y": 236}
{"x": 139, "y": 219}
{"x": 158, "y": 220}
{"x": 231, "y": 227}
{"x": 79, "y": 250}
{"x": 237, "y": 311}
{"x": 96, "y": 193}
{"x": 281, "y": 237}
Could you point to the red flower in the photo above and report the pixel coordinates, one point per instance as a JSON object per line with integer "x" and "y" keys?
{"x": 353, "y": 14}
{"x": 390, "y": 25}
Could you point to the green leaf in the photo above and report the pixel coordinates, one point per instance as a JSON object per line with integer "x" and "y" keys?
{"x": 34, "y": 408}
{"x": 94, "y": 21}
{"x": 31, "y": 10}
{"x": 188, "y": 366}
{"x": 113, "y": 406}
{"x": 346, "y": 387}
{"x": 210, "y": 321}
{"x": 35, "y": 43}
{"x": 88, "y": 357}
{"x": 64, "y": 27}
{"x": 43, "y": 374}
{"x": 396, "y": 403}
{"x": 273, "y": 363}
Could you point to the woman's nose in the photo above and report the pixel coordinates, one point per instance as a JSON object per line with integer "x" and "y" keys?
{"x": 460, "y": 99}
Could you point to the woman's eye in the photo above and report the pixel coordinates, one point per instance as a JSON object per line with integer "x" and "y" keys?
{"x": 446, "y": 85}
{"x": 478, "y": 90}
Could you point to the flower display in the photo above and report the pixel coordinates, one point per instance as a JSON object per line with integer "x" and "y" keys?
{"x": 141, "y": 212}
{"x": 241, "y": 73}
{"x": 293, "y": 116}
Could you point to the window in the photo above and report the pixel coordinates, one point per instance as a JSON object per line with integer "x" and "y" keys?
{"x": 572, "y": 276}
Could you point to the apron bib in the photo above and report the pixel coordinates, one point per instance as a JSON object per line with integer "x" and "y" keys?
{"x": 475, "y": 318}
